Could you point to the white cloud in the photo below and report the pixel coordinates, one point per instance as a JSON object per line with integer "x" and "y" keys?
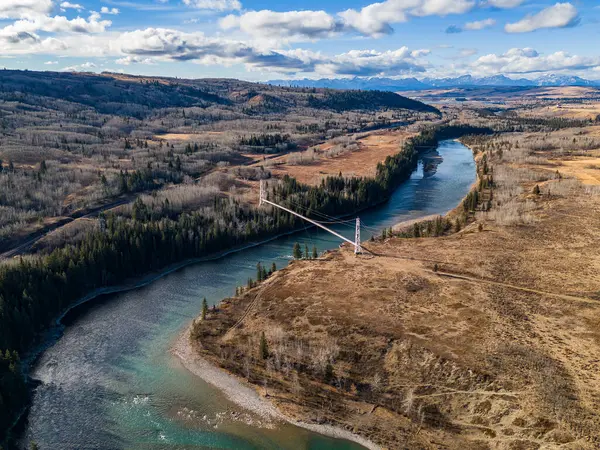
{"x": 289, "y": 25}
{"x": 58, "y": 24}
{"x": 173, "y": 45}
{"x": 153, "y": 45}
{"x": 528, "y": 60}
{"x": 113, "y": 11}
{"x": 13, "y": 9}
{"x": 368, "y": 63}
{"x": 218, "y": 5}
{"x": 128, "y": 60}
{"x": 480, "y": 24}
{"x": 376, "y": 19}
{"x": 85, "y": 67}
{"x": 442, "y": 7}
{"x": 505, "y": 4}
{"x": 67, "y": 5}
{"x": 51, "y": 63}
{"x": 558, "y": 16}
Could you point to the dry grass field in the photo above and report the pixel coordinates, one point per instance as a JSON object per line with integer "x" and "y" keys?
{"x": 487, "y": 338}
{"x": 355, "y": 157}
{"x": 585, "y": 169}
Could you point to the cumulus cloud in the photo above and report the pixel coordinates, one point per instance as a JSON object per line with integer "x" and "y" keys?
{"x": 172, "y": 45}
{"x": 442, "y": 7}
{"x": 13, "y": 9}
{"x": 18, "y": 37}
{"x": 23, "y": 43}
{"x": 528, "y": 60}
{"x": 480, "y": 24}
{"x": 290, "y": 25}
{"x": 504, "y": 4}
{"x": 67, "y": 5}
{"x": 560, "y": 15}
{"x": 128, "y": 60}
{"x": 376, "y": 19}
{"x": 58, "y": 24}
{"x": 85, "y": 67}
{"x": 218, "y": 5}
{"x": 112, "y": 11}
{"x": 368, "y": 63}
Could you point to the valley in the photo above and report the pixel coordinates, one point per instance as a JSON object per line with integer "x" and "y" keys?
{"x": 142, "y": 193}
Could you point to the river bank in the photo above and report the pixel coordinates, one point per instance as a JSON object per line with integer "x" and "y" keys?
{"x": 484, "y": 338}
{"x": 247, "y": 396}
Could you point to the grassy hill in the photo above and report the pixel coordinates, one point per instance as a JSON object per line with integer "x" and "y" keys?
{"x": 139, "y": 96}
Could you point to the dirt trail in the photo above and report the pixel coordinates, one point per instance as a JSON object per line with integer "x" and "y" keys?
{"x": 520, "y": 288}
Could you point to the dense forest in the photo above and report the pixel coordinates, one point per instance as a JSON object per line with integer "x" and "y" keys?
{"x": 344, "y": 100}
{"x": 35, "y": 290}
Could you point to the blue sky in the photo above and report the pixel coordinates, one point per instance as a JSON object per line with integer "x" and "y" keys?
{"x": 261, "y": 40}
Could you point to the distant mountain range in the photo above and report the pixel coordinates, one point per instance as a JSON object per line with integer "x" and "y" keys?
{"x": 410, "y": 84}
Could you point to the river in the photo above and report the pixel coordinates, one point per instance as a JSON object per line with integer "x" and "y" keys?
{"x": 110, "y": 382}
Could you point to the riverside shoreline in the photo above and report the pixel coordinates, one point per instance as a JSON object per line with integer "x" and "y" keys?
{"x": 245, "y": 395}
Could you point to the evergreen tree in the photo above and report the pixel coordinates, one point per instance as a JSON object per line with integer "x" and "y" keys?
{"x": 204, "y": 308}
{"x": 264, "y": 346}
{"x": 315, "y": 255}
{"x": 306, "y": 254}
{"x": 416, "y": 230}
{"x": 259, "y": 272}
{"x": 297, "y": 252}
{"x": 273, "y": 268}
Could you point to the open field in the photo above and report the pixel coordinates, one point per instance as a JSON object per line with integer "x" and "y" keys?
{"x": 354, "y": 157}
{"x": 484, "y": 338}
{"x": 587, "y": 170}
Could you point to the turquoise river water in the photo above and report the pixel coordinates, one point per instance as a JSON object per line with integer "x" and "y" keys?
{"x": 110, "y": 382}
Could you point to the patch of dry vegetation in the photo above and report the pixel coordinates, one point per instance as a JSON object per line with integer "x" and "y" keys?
{"x": 354, "y": 155}
{"x": 486, "y": 338}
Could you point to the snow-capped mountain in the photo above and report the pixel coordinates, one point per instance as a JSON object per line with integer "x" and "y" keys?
{"x": 408, "y": 84}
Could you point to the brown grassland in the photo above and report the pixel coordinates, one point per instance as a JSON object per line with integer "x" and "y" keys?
{"x": 361, "y": 160}
{"x": 485, "y": 338}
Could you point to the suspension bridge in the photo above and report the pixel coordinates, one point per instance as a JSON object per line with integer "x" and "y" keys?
{"x": 358, "y": 249}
